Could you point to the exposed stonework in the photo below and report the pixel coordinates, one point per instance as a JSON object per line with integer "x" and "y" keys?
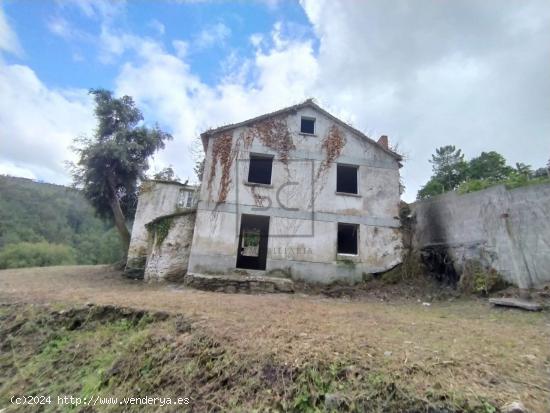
{"x": 169, "y": 256}
{"x": 156, "y": 198}
{"x": 239, "y": 283}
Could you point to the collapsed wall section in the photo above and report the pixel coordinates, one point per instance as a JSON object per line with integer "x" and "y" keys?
{"x": 156, "y": 199}
{"x": 169, "y": 246}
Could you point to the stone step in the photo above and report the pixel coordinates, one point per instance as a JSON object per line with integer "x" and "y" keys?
{"x": 250, "y": 284}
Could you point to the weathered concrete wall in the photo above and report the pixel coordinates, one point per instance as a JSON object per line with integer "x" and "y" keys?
{"x": 508, "y": 230}
{"x": 156, "y": 198}
{"x": 312, "y": 258}
{"x": 168, "y": 258}
{"x": 309, "y": 163}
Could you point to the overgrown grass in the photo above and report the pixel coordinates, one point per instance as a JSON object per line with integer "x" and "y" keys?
{"x": 111, "y": 353}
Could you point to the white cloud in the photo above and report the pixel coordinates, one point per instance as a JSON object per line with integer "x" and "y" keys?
{"x": 472, "y": 74}
{"x": 211, "y": 36}
{"x": 157, "y": 26}
{"x": 187, "y": 106}
{"x": 8, "y": 39}
{"x": 101, "y": 9}
{"x": 181, "y": 47}
{"x": 403, "y": 71}
{"x": 8, "y": 168}
{"x": 60, "y": 27}
{"x": 39, "y": 124}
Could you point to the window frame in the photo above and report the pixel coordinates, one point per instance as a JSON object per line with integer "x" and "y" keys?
{"x": 189, "y": 200}
{"x": 357, "y": 238}
{"x": 310, "y": 118}
{"x": 357, "y": 186}
{"x": 257, "y": 156}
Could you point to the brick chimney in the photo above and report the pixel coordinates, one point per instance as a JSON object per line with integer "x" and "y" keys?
{"x": 383, "y": 141}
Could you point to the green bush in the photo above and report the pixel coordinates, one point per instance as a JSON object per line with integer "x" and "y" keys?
{"x": 39, "y": 254}
{"x": 476, "y": 279}
{"x": 515, "y": 180}
{"x": 474, "y": 185}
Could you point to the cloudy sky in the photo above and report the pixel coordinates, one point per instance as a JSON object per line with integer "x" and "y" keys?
{"x": 427, "y": 73}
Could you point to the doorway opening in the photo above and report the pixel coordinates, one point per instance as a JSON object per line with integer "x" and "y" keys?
{"x": 253, "y": 236}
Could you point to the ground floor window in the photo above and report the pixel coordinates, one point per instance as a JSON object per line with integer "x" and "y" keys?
{"x": 347, "y": 238}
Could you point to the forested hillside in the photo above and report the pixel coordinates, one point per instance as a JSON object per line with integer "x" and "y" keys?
{"x": 45, "y": 224}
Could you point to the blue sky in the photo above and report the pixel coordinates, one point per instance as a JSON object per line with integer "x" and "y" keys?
{"x": 469, "y": 73}
{"x": 73, "y": 59}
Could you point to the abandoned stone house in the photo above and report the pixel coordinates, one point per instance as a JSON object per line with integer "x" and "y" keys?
{"x": 294, "y": 194}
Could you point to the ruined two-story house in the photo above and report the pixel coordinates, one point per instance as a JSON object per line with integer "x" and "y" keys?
{"x": 296, "y": 194}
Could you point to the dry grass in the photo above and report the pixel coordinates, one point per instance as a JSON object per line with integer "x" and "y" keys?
{"x": 461, "y": 346}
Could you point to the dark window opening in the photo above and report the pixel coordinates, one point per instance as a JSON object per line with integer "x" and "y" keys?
{"x": 346, "y": 179}
{"x": 259, "y": 171}
{"x": 308, "y": 126}
{"x": 347, "y": 238}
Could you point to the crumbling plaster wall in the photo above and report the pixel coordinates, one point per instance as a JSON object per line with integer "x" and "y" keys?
{"x": 294, "y": 249}
{"x": 168, "y": 258}
{"x": 508, "y": 230}
{"x": 155, "y": 199}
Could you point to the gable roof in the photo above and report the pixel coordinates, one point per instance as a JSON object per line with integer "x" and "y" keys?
{"x": 307, "y": 103}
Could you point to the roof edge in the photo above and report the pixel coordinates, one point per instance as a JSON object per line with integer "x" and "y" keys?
{"x": 163, "y": 181}
{"x": 308, "y": 102}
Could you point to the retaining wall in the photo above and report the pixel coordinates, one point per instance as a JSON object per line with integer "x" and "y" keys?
{"x": 508, "y": 230}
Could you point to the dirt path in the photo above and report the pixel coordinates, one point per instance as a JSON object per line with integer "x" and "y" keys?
{"x": 461, "y": 345}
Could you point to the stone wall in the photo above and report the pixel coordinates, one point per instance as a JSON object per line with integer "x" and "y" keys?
{"x": 508, "y": 230}
{"x": 156, "y": 198}
{"x": 168, "y": 255}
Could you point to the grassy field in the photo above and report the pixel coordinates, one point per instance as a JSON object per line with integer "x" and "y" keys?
{"x": 88, "y": 331}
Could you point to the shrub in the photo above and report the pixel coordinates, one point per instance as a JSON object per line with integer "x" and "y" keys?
{"x": 411, "y": 268}
{"x": 515, "y": 180}
{"x": 40, "y": 254}
{"x": 474, "y": 185}
{"x": 478, "y": 280}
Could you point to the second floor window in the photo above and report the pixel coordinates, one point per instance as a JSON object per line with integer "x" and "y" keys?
{"x": 259, "y": 170}
{"x": 307, "y": 126}
{"x": 346, "y": 178}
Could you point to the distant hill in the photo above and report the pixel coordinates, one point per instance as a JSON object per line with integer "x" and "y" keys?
{"x": 44, "y": 214}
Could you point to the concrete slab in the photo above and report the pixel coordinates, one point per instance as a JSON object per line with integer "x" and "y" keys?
{"x": 517, "y": 303}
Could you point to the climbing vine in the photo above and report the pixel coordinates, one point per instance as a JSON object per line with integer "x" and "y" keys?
{"x": 221, "y": 151}
{"x": 160, "y": 228}
{"x": 146, "y": 187}
{"x": 274, "y": 134}
{"x": 332, "y": 144}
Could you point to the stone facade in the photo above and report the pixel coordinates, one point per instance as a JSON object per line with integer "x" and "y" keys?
{"x": 159, "y": 199}
{"x": 169, "y": 256}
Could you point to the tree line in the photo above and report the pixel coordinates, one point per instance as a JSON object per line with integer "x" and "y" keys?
{"x": 44, "y": 224}
{"x": 452, "y": 172}
{"x": 41, "y": 227}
